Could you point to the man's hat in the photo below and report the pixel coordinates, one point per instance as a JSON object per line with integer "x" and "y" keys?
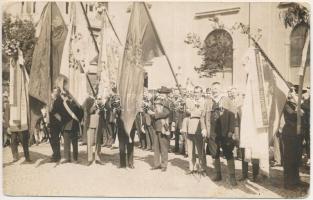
{"x": 164, "y": 90}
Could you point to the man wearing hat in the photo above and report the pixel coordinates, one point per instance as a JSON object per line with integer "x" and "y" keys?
{"x": 162, "y": 129}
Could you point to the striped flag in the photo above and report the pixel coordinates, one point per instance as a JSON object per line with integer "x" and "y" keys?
{"x": 265, "y": 97}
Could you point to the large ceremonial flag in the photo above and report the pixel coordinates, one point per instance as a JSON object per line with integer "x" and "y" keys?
{"x": 142, "y": 44}
{"x": 47, "y": 53}
{"x": 265, "y": 97}
{"x": 18, "y": 98}
{"x": 46, "y": 58}
{"x": 72, "y": 71}
{"x": 109, "y": 56}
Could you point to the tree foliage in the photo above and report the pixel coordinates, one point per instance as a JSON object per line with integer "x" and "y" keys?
{"x": 295, "y": 14}
{"x": 216, "y": 52}
{"x": 17, "y": 33}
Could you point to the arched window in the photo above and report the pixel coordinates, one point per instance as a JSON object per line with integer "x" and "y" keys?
{"x": 297, "y": 40}
{"x": 218, "y": 52}
{"x": 219, "y": 48}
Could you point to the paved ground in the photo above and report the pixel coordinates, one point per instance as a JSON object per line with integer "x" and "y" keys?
{"x": 41, "y": 178}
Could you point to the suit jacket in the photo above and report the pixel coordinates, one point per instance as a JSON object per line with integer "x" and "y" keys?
{"x": 227, "y": 118}
{"x": 56, "y": 113}
{"x": 158, "y": 125}
{"x": 178, "y": 117}
{"x": 70, "y": 124}
{"x": 148, "y": 120}
{"x": 90, "y": 116}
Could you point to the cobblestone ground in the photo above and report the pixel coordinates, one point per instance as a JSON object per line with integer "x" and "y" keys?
{"x": 41, "y": 178}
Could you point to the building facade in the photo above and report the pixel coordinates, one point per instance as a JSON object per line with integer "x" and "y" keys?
{"x": 208, "y": 20}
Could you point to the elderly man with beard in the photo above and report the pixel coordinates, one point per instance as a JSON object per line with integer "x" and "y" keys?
{"x": 219, "y": 121}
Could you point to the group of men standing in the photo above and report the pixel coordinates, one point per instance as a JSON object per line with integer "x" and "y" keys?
{"x": 195, "y": 120}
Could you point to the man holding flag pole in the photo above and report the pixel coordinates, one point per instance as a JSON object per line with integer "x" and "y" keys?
{"x": 142, "y": 45}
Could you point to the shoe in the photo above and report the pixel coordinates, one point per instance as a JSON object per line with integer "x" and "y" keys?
{"x": 185, "y": 156}
{"x": 75, "y": 161}
{"x": 65, "y": 161}
{"x": 52, "y": 160}
{"x": 131, "y": 166}
{"x": 202, "y": 172}
{"x": 15, "y": 160}
{"x": 28, "y": 160}
{"x": 188, "y": 172}
{"x": 82, "y": 144}
{"x": 89, "y": 163}
{"x": 121, "y": 167}
{"x": 99, "y": 162}
{"x": 155, "y": 168}
{"x": 163, "y": 169}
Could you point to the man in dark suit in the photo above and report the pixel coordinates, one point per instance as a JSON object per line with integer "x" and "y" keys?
{"x": 218, "y": 121}
{"x": 71, "y": 119}
{"x": 55, "y": 123}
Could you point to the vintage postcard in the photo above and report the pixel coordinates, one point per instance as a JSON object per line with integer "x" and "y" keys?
{"x": 156, "y": 99}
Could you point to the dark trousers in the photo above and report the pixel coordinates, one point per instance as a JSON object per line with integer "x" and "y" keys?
{"x": 161, "y": 146}
{"x": 55, "y": 142}
{"x": 126, "y": 148}
{"x": 306, "y": 138}
{"x": 19, "y": 137}
{"x": 84, "y": 136}
{"x": 177, "y": 140}
{"x": 70, "y": 137}
{"x": 291, "y": 158}
{"x": 149, "y": 137}
{"x": 225, "y": 143}
{"x": 108, "y": 134}
{"x": 142, "y": 139}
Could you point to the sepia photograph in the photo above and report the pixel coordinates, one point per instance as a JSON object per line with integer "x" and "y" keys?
{"x": 155, "y": 99}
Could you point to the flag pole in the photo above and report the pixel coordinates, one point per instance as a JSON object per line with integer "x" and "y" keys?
{"x": 301, "y": 80}
{"x": 96, "y": 45}
{"x": 162, "y": 48}
{"x": 89, "y": 27}
{"x": 51, "y": 59}
{"x": 99, "y": 69}
{"x": 106, "y": 13}
{"x": 269, "y": 61}
{"x": 88, "y": 80}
